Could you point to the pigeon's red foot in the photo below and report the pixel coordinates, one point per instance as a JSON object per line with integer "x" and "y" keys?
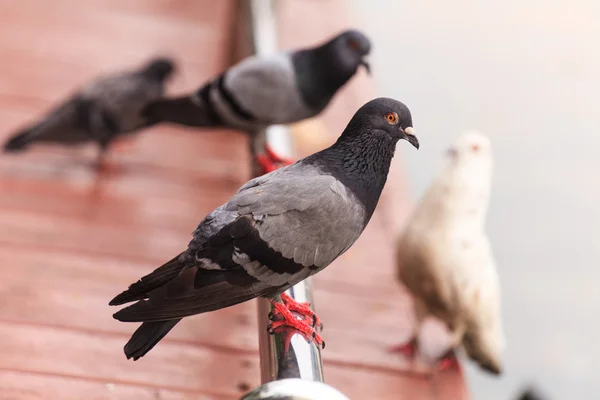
{"x": 303, "y": 309}
{"x": 448, "y": 361}
{"x": 270, "y": 161}
{"x": 283, "y": 317}
{"x": 123, "y": 145}
{"x": 408, "y": 349}
{"x": 105, "y": 167}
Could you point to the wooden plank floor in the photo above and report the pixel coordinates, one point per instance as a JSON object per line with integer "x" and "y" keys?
{"x": 69, "y": 241}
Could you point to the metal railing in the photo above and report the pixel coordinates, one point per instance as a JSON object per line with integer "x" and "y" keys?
{"x": 291, "y": 368}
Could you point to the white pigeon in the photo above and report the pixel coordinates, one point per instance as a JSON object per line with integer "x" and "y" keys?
{"x": 445, "y": 260}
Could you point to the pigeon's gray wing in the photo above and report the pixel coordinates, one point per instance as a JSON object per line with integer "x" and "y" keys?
{"x": 266, "y": 88}
{"x": 310, "y": 218}
{"x": 279, "y": 228}
{"x": 120, "y": 98}
{"x": 257, "y": 92}
{"x": 276, "y": 231}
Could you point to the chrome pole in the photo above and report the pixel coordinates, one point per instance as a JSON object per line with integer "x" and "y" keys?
{"x": 301, "y": 360}
{"x": 287, "y": 360}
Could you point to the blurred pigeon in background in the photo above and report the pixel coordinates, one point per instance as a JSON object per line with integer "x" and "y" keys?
{"x": 100, "y": 112}
{"x": 445, "y": 260}
{"x": 277, "y": 230}
{"x": 531, "y": 394}
{"x": 262, "y": 91}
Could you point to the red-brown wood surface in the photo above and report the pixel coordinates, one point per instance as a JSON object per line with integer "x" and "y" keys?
{"x": 70, "y": 241}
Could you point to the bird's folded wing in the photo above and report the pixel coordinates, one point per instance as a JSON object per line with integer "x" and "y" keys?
{"x": 478, "y": 275}
{"x": 266, "y": 89}
{"x": 307, "y": 216}
{"x": 276, "y": 231}
{"x": 193, "y": 291}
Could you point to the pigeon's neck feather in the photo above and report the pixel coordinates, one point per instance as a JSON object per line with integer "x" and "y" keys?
{"x": 361, "y": 163}
{"x": 320, "y": 72}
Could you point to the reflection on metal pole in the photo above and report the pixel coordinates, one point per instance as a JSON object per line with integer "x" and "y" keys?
{"x": 295, "y": 389}
{"x": 287, "y": 361}
{"x": 287, "y": 354}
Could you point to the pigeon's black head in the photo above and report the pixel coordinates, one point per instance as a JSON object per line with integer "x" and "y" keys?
{"x": 383, "y": 116}
{"x": 350, "y": 47}
{"x": 159, "y": 69}
{"x": 322, "y": 70}
{"x": 362, "y": 156}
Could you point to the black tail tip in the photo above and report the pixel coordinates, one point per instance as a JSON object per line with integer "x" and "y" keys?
{"x": 18, "y": 142}
{"x": 122, "y": 298}
{"x": 118, "y": 316}
{"x": 492, "y": 369}
{"x": 131, "y": 356}
{"x": 117, "y": 301}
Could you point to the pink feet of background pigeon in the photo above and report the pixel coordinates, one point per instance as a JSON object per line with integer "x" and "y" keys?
{"x": 270, "y": 161}
{"x": 409, "y": 351}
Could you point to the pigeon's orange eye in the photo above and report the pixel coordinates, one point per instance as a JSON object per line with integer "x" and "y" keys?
{"x": 353, "y": 44}
{"x": 392, "y": 118}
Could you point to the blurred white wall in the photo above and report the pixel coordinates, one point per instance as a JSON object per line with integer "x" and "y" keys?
{"x": 526, "y": 72}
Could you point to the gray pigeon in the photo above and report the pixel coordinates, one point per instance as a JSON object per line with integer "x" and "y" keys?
{"x": 261, "y": 91}
{"x": 276, "y": 231}
{"x": 101, "y": 111}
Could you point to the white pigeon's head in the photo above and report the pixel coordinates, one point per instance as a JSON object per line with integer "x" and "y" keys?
{"x": 470, "y": 164}
{"x": 471, "y": 145}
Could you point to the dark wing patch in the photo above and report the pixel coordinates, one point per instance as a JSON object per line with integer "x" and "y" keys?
{"x": 194, "y": 291}
{"x": 140, "y": 289}
{"x": 204, "y": 95}
{"x": 248, "y": 241}
{"x": 231, "y": 101}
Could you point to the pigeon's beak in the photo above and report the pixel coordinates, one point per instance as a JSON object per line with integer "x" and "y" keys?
{"x": 409, "y": 134}
{"x": 365, "y": 64}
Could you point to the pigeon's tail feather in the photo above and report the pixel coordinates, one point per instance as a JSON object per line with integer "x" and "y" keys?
{"x": 194, "y": 291}
{"x": 484, "y": 348}
{"x": 140, "y": 289}
{"x": 490, "y": 366}
{"x": 18, "y": 142}
{"x": 146, "y": 337}
{"x": 194, "y": 110}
